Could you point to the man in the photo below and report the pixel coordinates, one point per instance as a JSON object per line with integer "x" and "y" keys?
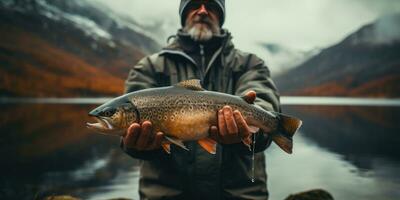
{"x": 203, "y": 50}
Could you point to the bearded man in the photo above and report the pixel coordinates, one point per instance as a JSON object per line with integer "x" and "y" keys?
{"x": 203, "y": 50}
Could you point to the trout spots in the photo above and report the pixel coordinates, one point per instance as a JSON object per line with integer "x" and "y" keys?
{"x": 191, "y": 108}
{"x": 190, "y": 125}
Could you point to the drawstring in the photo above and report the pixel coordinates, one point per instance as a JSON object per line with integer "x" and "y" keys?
{"x": 170, "y": 37}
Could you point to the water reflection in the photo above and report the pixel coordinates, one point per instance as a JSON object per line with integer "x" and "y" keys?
{"x": 357, "y": 133}
{"x": 49, "y": 151}
{"x": 353, "y": 152}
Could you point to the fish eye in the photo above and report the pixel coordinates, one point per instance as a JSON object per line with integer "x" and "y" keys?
{"x": 108, "y": 112}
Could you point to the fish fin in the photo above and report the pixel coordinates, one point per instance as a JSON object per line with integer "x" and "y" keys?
{"x": 177, "y": 142}
{"x": 253, "y": 129}
{"x": 167, "y": 147}
{"x": 192, "y": 84}
{"x": 283, "y": 142}
{"x": 287, "y": 127}
{"x": 209, "y": 145}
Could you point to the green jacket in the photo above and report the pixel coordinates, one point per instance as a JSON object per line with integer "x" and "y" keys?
{"x": 196, "y": 174}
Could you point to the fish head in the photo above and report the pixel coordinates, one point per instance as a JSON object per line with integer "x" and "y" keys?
{"x": 114, "y": 117}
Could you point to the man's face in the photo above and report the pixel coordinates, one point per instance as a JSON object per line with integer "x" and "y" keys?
{"x": 202, "y": 20}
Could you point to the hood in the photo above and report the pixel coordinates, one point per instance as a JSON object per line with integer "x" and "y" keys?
{"x": 185, "y": 3}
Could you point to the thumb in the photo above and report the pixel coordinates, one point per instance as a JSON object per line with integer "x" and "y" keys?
{"x": 250, "y": 96}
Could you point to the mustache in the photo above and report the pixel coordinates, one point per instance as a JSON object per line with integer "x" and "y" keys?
{"x": 204, "y": 20}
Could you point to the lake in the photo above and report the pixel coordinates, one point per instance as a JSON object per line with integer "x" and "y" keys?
{"x": 351, "y": 150}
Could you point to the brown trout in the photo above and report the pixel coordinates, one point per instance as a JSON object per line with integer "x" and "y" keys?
{"x": 185, "y": 112}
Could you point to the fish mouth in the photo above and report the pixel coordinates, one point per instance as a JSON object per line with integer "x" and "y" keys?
{"x": 102, "y": 124}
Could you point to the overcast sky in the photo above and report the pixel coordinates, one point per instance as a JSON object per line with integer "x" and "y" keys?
{"x": 299, "y": 24}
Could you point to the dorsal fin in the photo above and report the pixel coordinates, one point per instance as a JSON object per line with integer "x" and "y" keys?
{"x": 192, "y": 84}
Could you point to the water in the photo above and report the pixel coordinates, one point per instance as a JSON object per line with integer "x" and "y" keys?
{"x": 351, "y": 151}
{"x": 253, "y": 151}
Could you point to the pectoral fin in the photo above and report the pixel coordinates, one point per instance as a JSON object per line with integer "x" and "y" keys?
{"x": 167, "y": 147}
{"x": 209, "y": 145}
{"x": 177, "y": 142}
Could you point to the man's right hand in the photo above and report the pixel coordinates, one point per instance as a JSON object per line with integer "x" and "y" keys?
{"x": 142, "y": 137}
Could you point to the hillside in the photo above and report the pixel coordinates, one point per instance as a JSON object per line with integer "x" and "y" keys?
{"x": 366, "y": 64}
{"x": 56, "y": 49}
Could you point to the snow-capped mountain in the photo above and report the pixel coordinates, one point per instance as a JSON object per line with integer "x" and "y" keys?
{"x": 67, "y": 48}
{"x": 366, "y": 63}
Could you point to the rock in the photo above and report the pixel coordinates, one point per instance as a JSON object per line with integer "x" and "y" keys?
{"x": 67, "y": 197}
{"x": 121, "y": 199}
{"x": 316, "y": 194}
{"x": 61, "y": 197}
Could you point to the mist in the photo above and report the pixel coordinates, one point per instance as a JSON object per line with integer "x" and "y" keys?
{"x": 300, "y": 25}
{"x": 387, "y": 29}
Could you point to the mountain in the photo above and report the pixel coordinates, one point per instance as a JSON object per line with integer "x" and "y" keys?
{"x": 284, "y": 58}
{"x": 366, "y": 63}
{"x": 63, "y": 48}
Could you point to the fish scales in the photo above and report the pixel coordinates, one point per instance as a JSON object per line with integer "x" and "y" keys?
{"x": 185, "y": 112}
{"x": 177, "y": 112}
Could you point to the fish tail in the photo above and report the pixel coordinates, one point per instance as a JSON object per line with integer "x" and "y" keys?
{"x": 287, "y": 126}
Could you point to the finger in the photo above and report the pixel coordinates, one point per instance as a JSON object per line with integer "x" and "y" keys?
{"x": 214, "y": 133}
{"x": 132, "y": 135}
{"x": 145, "y": 134}
{"x": 156, "y": 143}
{"x": 250, "y": 96}
{"x": 230, "y": 121}
{"x": 244, "y": 130}
{"x": 221, "y": 124}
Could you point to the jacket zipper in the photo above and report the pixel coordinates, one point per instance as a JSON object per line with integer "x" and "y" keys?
{"x": 203, "y": 62}
{"x": 202, "y": 54}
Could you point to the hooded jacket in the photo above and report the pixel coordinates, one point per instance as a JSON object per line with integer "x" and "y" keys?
{"x": 196, "y": 174}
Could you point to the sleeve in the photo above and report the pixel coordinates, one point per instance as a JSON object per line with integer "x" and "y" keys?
{"x": 142, "y": 155}
{"x": 257, "y": 77}
{"x": 141, "y": 76}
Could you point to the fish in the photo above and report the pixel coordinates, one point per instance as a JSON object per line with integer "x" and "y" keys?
{"x": 185, "y": 112}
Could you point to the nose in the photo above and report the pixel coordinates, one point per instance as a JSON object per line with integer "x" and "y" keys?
{"x": 202, "y": 10}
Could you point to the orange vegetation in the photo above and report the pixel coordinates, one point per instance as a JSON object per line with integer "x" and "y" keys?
{"x": 388, "y": 87}
{"x": 33, "y": 67}
{"x": 384, "y": 87}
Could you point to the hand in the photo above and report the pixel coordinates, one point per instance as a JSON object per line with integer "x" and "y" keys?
{"x": 142, "y": 137}
{"x": 232, "y": 128}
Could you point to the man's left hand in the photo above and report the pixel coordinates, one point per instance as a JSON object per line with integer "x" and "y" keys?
{"x": 232, "y": 128}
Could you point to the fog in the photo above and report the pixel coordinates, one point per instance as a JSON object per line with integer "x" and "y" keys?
{"x": 299, "y": 25}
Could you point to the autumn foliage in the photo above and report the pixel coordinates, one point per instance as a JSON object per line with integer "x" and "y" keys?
{"x": 44, "y": 58}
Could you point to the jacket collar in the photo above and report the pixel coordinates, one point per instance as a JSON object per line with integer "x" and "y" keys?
{"x": 183, "y": 43}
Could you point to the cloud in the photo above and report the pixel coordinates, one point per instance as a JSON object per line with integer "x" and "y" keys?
{"x": 387, "y": 29}
{"x": 300, "y": 24}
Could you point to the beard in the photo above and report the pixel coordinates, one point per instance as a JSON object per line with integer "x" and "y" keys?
{"x": 202, "y": 30}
